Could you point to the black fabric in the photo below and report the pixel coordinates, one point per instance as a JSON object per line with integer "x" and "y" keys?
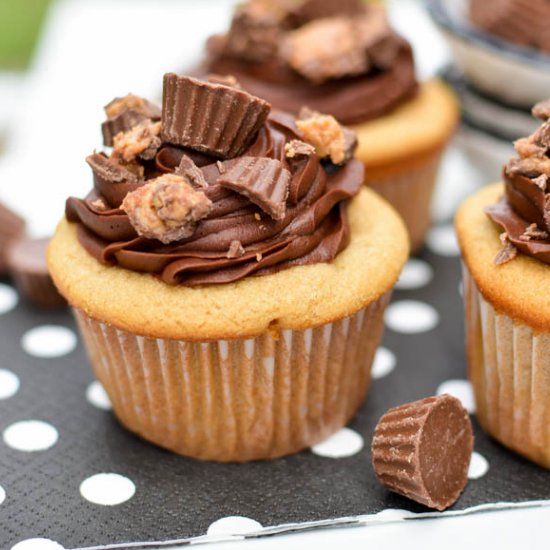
{"x": 178, "y": 497}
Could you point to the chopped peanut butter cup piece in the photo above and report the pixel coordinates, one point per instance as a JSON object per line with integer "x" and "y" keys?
{"x": 212, "y": 118}
{"x": 124, "y": 113}
{"x": 262, "y": 180}
{"x": 542, "y": 110}
{"x": 297, "y": 148}
{"x": 110, "y": 170}
{"x": 12, "y": 226}
{"x": 166, "y": 208}
{"x": 508, "y": 251}
{"x": 236, "y": 250}
{"x": 191, "y": 172}
{"x": 141, "y": 141}
{"x": 225, "y": 80}
{"x": 327, "y": 135}
{"x": 422, "y": 450}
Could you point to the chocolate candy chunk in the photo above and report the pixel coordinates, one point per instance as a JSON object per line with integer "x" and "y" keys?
{"x": 329, "y": 138}
{"x": 264, "y": 181}
{"x": 542, "y": 110}
{"x": 325, "y": 49}
{"x": 26, "y": 259}
{"x": 254, "y": 34}
{"x": 236, "y": 250}
{"x": 212, "y": 118}
{"x": 297, "y": 148}
{"x": 124, "y": 113}
{"x": 422, "y": 450}
{"x": 533, "y": 233}
{"x": 188, "y": 170}
{"x": 109, "y": 170}
{"x": 508, "y": 251}
{"x": 142, "y": 141}
{"x": 166, "y": 208}
{"x": 308, "y": 10}
{"x": 12, "y": 226}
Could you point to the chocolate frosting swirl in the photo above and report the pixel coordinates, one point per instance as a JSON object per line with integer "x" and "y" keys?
{"x": 314, "y": 229}
{"x": 523, "y": 204}
{"x": 351, "y": 100}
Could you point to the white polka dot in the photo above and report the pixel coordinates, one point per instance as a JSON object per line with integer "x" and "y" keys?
{"x": 107, "y": 489}
{"x": 411, "y": 317}
{"x": 462, "y": 390}
{"x": 49, "y": 341}
{"x": 415, "y": 274}
{"x": 442, "y": 240}
{"x": 2, "y": 494}
{"x": 478, "y": 466}
{"x": 9, "y": 384}
{"x": 97, "y": 396}
{"x": 30, "y": 436}
{"x": 342, "y": 444}
{"x": 37, "y": 544}
{"x": 384, "y": 363}
{"x": 234, "y": 525}
{"x": 8, "y": 298}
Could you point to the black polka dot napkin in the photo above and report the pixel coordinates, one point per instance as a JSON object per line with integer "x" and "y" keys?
{"x": 71, "y": 477}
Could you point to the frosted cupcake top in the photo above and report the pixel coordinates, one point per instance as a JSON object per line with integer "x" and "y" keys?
{"x": 216, "y": 187}
{"x": 339, "y": 57}
{"x": 524, "y": 211}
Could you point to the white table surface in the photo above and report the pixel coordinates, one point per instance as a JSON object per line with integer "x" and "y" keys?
{"x": 93, "y": 50}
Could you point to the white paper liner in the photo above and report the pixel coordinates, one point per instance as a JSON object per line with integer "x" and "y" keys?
{"x": 509, "y": 366}
{"x": 237, "y": 400}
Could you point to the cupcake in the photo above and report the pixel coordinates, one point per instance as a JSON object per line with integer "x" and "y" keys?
{"x": 504, "y": 234}
{"x": 343, "y": 58}
{"x": 228, "y": 274}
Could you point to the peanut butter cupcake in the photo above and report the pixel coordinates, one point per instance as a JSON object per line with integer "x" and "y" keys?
{"x": 343, "y": 59}
{"x": 504, "y": 234}
{"x": 228, "y": 274}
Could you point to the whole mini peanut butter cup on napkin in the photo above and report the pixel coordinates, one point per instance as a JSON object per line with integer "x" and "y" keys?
{"x": 228, "y": 272}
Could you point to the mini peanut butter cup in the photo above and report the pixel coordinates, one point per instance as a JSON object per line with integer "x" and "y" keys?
{"x": 12, "y": 226}
{"x": 422, "y": 450}
{"x": 26, "y": 260}
{"x": 262, "y": 180}
{"x": 212, "y": 118}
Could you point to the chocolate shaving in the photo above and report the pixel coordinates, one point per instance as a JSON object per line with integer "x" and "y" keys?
{"x": 542, "y": 110}
{"x": 422, "y": 450}
{"x": 166, "y": 208}
{"x": 236, "y": 250}
{"x": 212, "y": 118}
{"x": 329, "y": 138}
{"x": 191, "y": 172}
{"x": 507, "y": 252}
{"x": 262, "y": 180}
{"x": 110, "y": 170}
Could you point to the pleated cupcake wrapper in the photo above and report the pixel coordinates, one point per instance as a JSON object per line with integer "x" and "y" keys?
{"x": 237, "y": 400}
{"x": 38, "y": 289}
{"x": 410, "y": 193}
{"x": 509, "y": 367}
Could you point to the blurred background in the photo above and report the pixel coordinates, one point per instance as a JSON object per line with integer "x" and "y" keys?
{"x": 62, "y": 60}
